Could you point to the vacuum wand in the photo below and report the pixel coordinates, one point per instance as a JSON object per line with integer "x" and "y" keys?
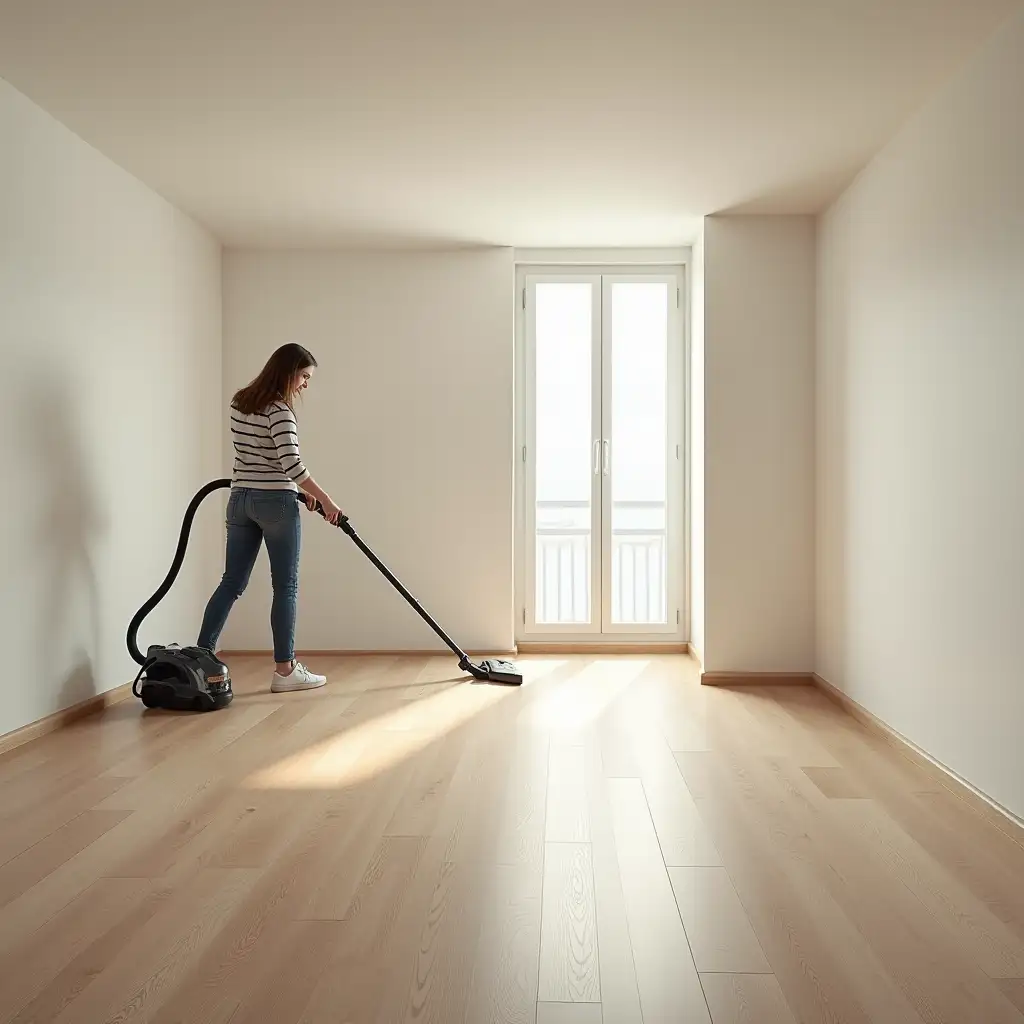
{"x": 490, "y": 670}
{"x": 346, "y": 527}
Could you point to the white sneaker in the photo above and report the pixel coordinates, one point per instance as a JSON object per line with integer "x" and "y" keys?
{"x": 300, "y": 678}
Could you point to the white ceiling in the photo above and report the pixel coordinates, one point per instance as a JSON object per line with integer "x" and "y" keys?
{"x": 534, "y": 123}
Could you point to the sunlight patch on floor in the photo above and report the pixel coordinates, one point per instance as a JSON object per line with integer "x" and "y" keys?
{"x": 580, "y": 700}
{"x": 371, "y": 747}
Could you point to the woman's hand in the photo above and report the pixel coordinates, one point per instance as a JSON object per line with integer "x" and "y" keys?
{"x": 312, "y": 493}
{"x": 331, "y": 512}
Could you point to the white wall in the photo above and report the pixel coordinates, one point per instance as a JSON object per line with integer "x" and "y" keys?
{"x": 696, "y": 443}
{"x": 921, "y": 428}
{"x": 110, "y": 341}
{"x": 408, "y": 425}
{"x": 759, "y": 444}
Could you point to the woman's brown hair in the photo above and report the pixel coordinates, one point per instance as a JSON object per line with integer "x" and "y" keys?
{"x": 275, "y": 381}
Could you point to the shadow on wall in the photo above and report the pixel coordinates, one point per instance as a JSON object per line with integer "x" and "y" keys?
{"x": 68, "y": 520}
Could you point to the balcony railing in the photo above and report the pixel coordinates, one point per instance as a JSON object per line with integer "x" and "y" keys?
{"x": 638, "y": 584}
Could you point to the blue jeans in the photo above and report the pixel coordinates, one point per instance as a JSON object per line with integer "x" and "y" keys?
{"x": 254, "y": 516}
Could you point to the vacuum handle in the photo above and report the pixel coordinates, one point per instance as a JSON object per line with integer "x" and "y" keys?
{"x": 342, "y": 521}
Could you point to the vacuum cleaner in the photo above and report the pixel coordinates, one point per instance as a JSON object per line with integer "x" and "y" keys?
{"x": 176, "y": 678}
{"x": 173, "y": 677}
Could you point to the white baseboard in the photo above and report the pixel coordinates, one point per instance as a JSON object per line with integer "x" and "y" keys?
{"x": 1003, "y": 818}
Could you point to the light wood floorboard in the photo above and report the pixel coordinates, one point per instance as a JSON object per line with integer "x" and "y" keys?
{"x": 609, "y": 844}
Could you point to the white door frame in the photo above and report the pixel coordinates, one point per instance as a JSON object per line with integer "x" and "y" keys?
{"x": 677, "y": 629}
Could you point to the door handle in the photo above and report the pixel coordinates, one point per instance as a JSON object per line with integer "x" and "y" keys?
{"x": 606, "y": 444}
{"x": 597, "y": 456}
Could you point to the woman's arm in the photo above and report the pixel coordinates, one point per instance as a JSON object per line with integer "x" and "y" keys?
{"x": 311, "y": 487}
{"x": 285, "y": 432}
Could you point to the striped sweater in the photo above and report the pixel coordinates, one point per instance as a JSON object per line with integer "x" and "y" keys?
{"x": 267, "y": 449}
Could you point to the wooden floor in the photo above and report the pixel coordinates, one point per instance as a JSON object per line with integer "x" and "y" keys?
{"x": 611, "y": 842}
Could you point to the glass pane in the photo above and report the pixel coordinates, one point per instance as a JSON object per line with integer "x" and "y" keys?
{"x": 563, "y": 458}
{"x": 639, "y": 464}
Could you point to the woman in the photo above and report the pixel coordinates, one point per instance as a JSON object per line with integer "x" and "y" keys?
{"x": 262, "y": 506}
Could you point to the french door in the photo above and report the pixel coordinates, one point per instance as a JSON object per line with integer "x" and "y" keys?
{"x": 601, "y": 427}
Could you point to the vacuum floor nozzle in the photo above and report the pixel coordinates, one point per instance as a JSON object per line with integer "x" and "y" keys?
{"x": 499, "y": 671}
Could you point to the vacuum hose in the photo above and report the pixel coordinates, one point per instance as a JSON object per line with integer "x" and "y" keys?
{"x": 179, "y": 556}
